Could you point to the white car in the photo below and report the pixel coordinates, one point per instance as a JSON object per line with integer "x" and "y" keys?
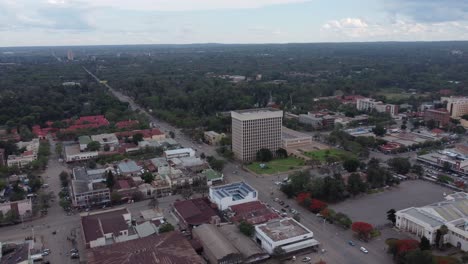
{"x": 364, "y": 250}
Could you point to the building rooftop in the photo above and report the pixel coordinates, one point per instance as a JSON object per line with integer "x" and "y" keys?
{"x": 258, "y": 113}
{"x": 214, "y": 241}
{"x": 84, "y": 140}
{"x": 80, "y": 186}
{"x": 72, "y": 150}
{"x": 291, "y": 134}
{"x": 160, "y": 162}
{"x": 195, "y": 211}
{"x": 252, "y": 212}
{"x": 282, "y": 229}
{"x": 453, "y": 208}
{"x": 237, "y": 191}
{"x": 128, "y": 166}
{"x": 97, "y": 224}
{"x": 211, "y": 174}
{"x": 241, "y": 242}
{"x": 167, "y": 248}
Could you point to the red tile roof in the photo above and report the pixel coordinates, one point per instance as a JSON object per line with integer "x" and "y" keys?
{"x": 167, "y": 248}
{"x": 252, "y": 212}
{"x": 195, "y": 211}
{"x": 123, "y": 184}
{"x": 126, "y": 124}
{"x": 96, "y": 225}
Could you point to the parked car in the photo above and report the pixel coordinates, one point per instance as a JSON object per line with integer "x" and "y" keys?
{"x": 306, "y": 259}
{"x": 351, "y": 243}
{"x": 364, "y": 250}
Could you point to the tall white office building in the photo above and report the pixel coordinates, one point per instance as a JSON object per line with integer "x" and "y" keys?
{"x": 254, "y": 129}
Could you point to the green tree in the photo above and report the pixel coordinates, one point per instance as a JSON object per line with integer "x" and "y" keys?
{"x": 172, "y": 134}
{"x": 399, "y": 165}
{"x": 355, "y": 184}
{"x": 351, "y": 165}
{"x": 166, "y": 227}
{"x": 115, "y": 197}
{"x": 110, "y": 180}
{"x": 215, "y": 164}
{"x": 93, "y": 146}
{"x": 137, "y": 138}
{"x": 391, "y": 216}
{"x": 64, "y": 176}
{"x": 425, "y": 244}
{"x": 417, "y": 169}
{"x": 281, "y": 153}
{"x": 431, "y": 124}
{"x": 148, "y": 177}
{"x": 379, "y": 130}
{"x": 246, "y": 229}
{"x": 264, "y": 155}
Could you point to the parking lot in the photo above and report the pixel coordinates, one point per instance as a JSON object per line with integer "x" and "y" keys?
{"x": 372, "y": 208}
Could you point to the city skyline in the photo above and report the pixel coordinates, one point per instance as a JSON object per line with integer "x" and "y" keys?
{"x": 105, "y": 22}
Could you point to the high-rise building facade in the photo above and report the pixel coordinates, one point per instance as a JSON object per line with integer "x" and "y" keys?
{"x": 457, "y": 106}
{"x": 255, "y": 129}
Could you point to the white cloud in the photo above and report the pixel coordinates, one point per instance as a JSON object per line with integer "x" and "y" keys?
{"x": 185, "y": 5}
{"x": 356, "y": 29}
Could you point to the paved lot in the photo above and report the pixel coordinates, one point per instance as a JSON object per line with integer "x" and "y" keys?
{"x": 372, "y": 208}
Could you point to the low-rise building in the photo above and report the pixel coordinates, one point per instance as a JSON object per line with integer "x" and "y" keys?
{"x": 22, "y": 208}
{"x": 231, "y": 194}
{"x": 253, "y": 213}
{"x": 216, "y": 247}
{"x": 179, "y": 153}
{"x": 86, "y": 194}
{"x": 194, "y": 212}
{"x": 426, "y": 220}
{"x": 107, "y": 227}
{"x": 441, "y": 117}
{"x": 213, "y": 138}
{"x": 28, "y": 156}
{"x": 110, "y": 140}
{"x": 295, "y": 139}
{"x": 212, "y": 177}
{"x": 167, "y": 248}
{"x": 73, "y": 153}
{"x": 286, "y": 234}
{"x": 368, "y": 104}
{"x": 84, "y": 141}
{"x": 129, "y": 168}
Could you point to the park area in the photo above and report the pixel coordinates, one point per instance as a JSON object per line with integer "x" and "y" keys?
{"x": 276, "y": 165}
{"x": 324, "y": 154}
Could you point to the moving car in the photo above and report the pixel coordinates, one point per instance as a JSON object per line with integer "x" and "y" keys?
{"x": 351, "y": 243}
{"x": 306, "y": 259}
{"x": 364, "y": 250}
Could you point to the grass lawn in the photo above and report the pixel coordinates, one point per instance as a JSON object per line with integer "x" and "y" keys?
{"x": 321, "y": 155}
{"x": 276, "y": 166}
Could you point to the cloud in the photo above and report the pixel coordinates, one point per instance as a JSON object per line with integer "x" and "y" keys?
{"x": 427, "y": 11}
{"x": 356, "y": 29}
{"x": 41, "y": 14}
{"x": 187, "y": 5}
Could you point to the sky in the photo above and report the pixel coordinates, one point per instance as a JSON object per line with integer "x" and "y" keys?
{"x": 105, "y": 22}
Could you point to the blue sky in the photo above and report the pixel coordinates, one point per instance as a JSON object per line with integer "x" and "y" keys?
{"x": 95, "y": 22}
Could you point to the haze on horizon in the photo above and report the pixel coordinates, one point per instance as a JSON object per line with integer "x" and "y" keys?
{"x": 99, "y": 22}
